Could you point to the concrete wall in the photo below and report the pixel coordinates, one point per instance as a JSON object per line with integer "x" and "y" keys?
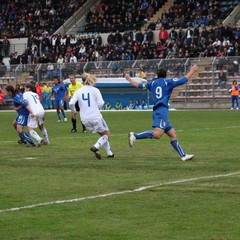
{"x": 207, "y": 104}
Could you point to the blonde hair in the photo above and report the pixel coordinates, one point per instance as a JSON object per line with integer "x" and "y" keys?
{"x": 88, "y": 79}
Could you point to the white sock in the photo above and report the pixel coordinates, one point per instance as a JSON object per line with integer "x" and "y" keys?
{"x": 45, "y": 135}
{"x": 107, "y": 147}
{"x": 103, "y": 139}
{"x": 35, "y": 135}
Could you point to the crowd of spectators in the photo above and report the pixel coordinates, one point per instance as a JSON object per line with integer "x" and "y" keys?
{"x": 191, "y": 13}
{"x": 213, "y": 41}
{"x": 132, "y": 105}
{"x": 21, "y": 18}
{"x": 121, "y": 15}
{"x": 203, "y": 39}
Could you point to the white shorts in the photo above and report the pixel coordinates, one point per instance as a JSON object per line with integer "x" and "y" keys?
{"x": 37, "y": 120}
{"x": 96, "y": 125}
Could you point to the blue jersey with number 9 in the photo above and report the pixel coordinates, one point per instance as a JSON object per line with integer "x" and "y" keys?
{"x": 161, "y": 89}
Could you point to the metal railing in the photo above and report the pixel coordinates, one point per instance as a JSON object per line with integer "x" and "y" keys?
{"x": 205, "y": 85}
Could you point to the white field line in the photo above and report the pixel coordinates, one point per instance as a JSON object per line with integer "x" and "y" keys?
{"x": 140, "y": 189}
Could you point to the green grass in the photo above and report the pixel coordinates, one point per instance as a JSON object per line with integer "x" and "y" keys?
{"x": 204, "y": 208}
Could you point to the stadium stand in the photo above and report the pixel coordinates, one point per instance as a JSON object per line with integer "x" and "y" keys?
{"x": 185, "y": 13}
{"x": 22, "y": 18}
{"x": 129, "y": 49}
{"x": 119, "y": 15}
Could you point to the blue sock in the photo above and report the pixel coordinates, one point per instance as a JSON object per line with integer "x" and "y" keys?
{"x": 63, "y": 113}
{"x": 21, "y": 137}
{"x": 178, "y": 148}
{"x": 59, "y": 116}
{"x": 26, "y": 137}
{"x": 143, "y": 135}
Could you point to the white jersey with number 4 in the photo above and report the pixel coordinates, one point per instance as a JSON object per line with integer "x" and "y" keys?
{"x": 90, "y": 101}
{"x": 33, "y": 102}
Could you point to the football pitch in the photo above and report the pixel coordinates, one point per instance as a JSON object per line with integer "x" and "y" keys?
{"x": 61, "y": 191}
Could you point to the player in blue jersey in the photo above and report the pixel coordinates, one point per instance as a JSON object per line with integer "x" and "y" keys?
{"x": 161, "y": 89}
{"x": 59, "y": 91}
{"x": 22, "y": 117}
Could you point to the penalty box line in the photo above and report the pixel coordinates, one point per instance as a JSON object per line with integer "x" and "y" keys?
{"x": 140, "y": 189}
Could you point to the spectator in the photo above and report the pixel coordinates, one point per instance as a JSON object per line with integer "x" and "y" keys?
{"x": 118, "y": 37}
{"x": 137, "y": 105}
{"x": 38, "y": 88}
{"x": 116, "y": 67}
{"x": 46, "y": 96}
{"x": 49, "y": 97}
{"x": 217, "y": 43}
{"x": 163, "y": 35}
{"x": 51, "y": 72}
{"x": 141, "y": 74}
{"x": 173, "y": 35}
{"x": 111, "y": 39}
{"x": 1, "y": 98}
{"x": 118, "y": 105}
{"x": 131, "y": 105}
{"x": 6, "y": 46}
{"x": 189, "y": 36}
{"x": 234, "y": 91}
{"x": 144, "y": 105}
{"x": 139, "y": 36}
{"x": 235, "y": 68}
{"x": 82, "y": 51}
{"x": 73, "y": 58}
{"x": 3, "y": 67}
{"x": 60, "y": 60}
{"x": 108, "y": 106}
{"x": 222, "y": 79}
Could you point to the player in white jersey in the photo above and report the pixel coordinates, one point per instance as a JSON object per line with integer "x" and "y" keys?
{"x": 36, "y": 116}
{"x": 90, "y": 102}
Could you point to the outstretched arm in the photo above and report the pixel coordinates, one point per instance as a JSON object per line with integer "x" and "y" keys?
{"x": 193, "y": 69}
{"x": 134, "y": 83}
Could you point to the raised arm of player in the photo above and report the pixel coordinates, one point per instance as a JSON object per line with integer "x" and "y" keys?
{"x": 193, "y": 69}
{"x": 134, "y": 83}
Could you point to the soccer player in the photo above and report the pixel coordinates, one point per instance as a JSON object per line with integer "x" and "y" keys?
{"x": 22, "y": 117}
{"x": 71, "y": 90}
{"x": 59, "y": 92}
{"x": 161, "y": 89}
{"x": 36, "y": 117}
{"x": 90, "y": 101}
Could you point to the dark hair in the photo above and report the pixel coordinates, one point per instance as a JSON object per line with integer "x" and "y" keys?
{"x": 32, "y": 87}
{"x": 162, "y": 72}
{"x": 56, "y": 77}
{"x": 10, "y": 88}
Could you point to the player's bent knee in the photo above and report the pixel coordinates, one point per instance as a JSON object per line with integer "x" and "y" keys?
{"x": 156, "y": 135}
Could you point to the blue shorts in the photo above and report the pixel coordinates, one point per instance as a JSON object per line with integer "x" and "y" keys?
{"x": 160, "y": 119}
{"x": 59, "y": 103}
{"x": 22, "y": 120}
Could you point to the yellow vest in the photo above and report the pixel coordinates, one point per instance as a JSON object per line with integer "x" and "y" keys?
{"x": 73, "y": 88}
{"x": 47, "y": 89}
